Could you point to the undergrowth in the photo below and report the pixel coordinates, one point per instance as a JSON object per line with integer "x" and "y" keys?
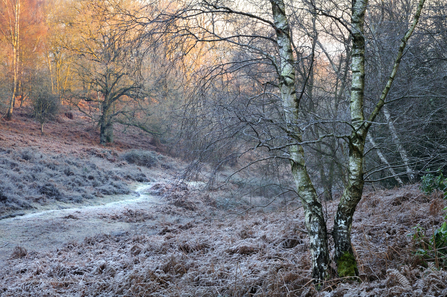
{"x": 30, "y": 178}
{"x": 432, "y": 248}
{"x": 215, "y": 254}
{"x": 432, "y": 182}
{"x": 142, "y": 158}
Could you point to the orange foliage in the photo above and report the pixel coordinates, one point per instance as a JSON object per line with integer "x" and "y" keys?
{"x": 31, "y": 27}
{"x": 22, "y": 27}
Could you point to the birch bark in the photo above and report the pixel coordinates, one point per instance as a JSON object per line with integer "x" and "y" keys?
{"x": 384, "y": 160}
{"x": 398, "y": 143}
{"x": 15, "y": 42}
{"x": 314, "y": 218}
{"x": 344, "y": 255}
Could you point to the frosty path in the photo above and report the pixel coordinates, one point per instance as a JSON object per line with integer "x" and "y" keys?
{"x": 46, "y": 230}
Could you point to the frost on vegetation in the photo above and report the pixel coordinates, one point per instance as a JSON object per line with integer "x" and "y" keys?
{"x": 195, "y": 259}
{"x": 142, "y": 158}
{"x": 214, "y": 253}
{"x": 30, "y": 177}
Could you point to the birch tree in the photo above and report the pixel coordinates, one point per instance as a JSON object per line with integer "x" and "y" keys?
{"x": 314, "y": 218}
{"x": 344, "y": 255}
{"x": 21, "y": 26}
{"x": 277, "y": 48}
{"x": 11, "y": 13}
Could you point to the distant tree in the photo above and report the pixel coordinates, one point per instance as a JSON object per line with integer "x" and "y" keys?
{"x": 108, "y": 60}
{"x": 57, "y": 57}
{"x": 21, "y": 27}
{"x": 412, "y": 133}
{"x": 45, "y": 105}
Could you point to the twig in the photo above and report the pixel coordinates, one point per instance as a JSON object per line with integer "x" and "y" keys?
{"x": 305, "y": 285}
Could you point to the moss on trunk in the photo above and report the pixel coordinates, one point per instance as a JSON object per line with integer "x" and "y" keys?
{"x": 347, "y": 265}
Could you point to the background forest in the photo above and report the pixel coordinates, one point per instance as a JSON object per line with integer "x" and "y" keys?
{"x": 263, "y": 95}
{"x": 206, "y": 80}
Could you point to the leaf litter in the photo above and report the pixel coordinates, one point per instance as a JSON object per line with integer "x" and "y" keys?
{"x": 187, "y": 244}
{"x": 209, "y": 252}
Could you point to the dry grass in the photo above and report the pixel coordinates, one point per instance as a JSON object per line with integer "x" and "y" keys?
{"x": 66, "y": 164}
{"x": 215, "y": 254}
{"x": 197, "y": 248}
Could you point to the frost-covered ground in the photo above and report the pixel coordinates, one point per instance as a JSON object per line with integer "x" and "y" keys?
{"x": 66, "y": 166}
{"x": 208, "y": 252}
{"x": 186, "y": 241}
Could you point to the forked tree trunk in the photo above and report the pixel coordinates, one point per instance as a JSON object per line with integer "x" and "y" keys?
{"x": 344, "y": 256}
{"x": 314, "y": 218}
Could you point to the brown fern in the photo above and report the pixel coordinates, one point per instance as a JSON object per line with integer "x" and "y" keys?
{"x": 400, "y": 278}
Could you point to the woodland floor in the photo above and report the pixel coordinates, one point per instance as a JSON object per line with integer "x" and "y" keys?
{"x": 79, "y": 219}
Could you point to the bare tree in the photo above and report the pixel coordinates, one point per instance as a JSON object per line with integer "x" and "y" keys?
{"x": 108, "y": 61}
{"x": 281, "y": 127}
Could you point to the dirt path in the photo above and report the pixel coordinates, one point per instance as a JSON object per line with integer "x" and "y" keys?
{"x": 46, "y": 230}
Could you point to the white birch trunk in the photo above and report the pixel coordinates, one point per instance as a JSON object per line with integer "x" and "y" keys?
{"x": 314, "y": 218}
{"x": 344, "y": 255}
{"x": 384, "y": 160}
{"x": 396, "y": 140}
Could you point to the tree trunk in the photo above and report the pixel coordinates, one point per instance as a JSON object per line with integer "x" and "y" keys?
{"x": 384, "y": 160}
{"x": 106, "y": 133}
{"x": 106, "y": 124}
{"x": 15, "y": 58}
{"x": 344, "y": 255}
{"x": 399, "y": 146}
{"x": 314, "y": 218}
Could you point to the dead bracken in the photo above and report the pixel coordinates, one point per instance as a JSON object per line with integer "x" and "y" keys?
{"x": 215, "y": 254}
{"x": 203, "y": 243}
